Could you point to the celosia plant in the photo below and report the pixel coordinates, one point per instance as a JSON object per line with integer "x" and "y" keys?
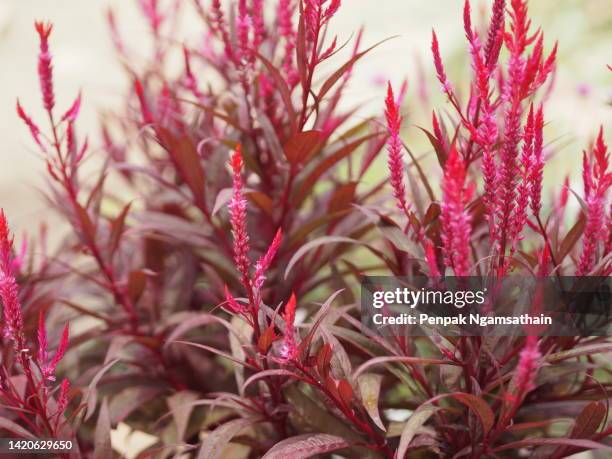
{"x": 214, "y": 258}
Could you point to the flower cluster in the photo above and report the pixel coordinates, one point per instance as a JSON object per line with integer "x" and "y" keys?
{"x": 217, "y": 302}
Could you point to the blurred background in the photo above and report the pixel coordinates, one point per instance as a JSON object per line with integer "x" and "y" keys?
{"x": 84, "y": 59}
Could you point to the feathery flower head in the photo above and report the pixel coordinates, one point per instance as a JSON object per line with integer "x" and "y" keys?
{"x": 265, "y": 261}
{"x": 73, "y": 112}
{"x": 394, "y": 146}
{"x": 456, "y": 220}
{"x": 537, "y": 163}
{"x": 13, "y": 318}
{"x": 496, "y": 33}
{"x": 440, "y": 72}
{"x": 34, "y": 129}
{"x": 597, "y": 181}
{"x": 528, "y": 365}
{"x": 237, "y": 207}
{"x": 288, "y": 349}
{"x": 45, "y": 68}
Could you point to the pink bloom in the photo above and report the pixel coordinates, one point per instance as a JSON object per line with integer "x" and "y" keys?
{"x": 456, "y": 221}
{"x": 265, "y": 261}
{"x": 73, "y": 112}
{"x": 597, "y": 181}
{"x": 288, "y": 350}
{"x": 395, "y": 162}
{"x": 232, "y": 305}
{"x": 42, "y": 339}
{"x": 259, "y": 24}
{"x": 528, "y": 365}
{"x": 13, "y": 319}
{"x": 150, "y": 8}
{"x": 243, "y": 28}
{"x": 441, "y": 73}
{"x": 538, "y": 163}
{"x": 34, "y": 129}
{"x": 45, "y": 68}
{"x": 219, "y": 25}
{"x": 48, "y": 367}
{"x": 62, "y": 400}
{"x": 237, "y": 207}
{"x": 496, "y": 33}
{"x": 285, "y": 26}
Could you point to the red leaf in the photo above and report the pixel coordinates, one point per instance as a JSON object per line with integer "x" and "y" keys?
{"x": 342, "y": 197}
{"x": 266, "y": 339}
{"x": 300, "y": 147}
{"x": 137, "y": 282}
{"x": 346, "y": 392}
{"x": 323, "y": 359}
{"x": 184, "y": 156}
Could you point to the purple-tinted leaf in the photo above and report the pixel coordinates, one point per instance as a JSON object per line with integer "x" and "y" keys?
{"x": 92, "y": 392}
{"x": 414, "y": 423}
{"x": 397, "y": 359}
{"x": 15, "y": 429}
{"x": 130, "y": 399}
{"x": 216, "y": 351}
{"x": 574, "y": 442}
{"x": 102, "y": 439}
{"x": 216, "y": 441}
{"x": 181, "y": 406}
{"x": 266, "y": 374}
{"x": 600, "y": 348}
{"x": 305, "y": 446}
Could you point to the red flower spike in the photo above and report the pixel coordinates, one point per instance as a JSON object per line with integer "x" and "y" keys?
{"x": 232, "y": 305}
{"x": 456, "y": 221}
{"x": 42, "y": 340}
{"x": 34, "y": 129}
{"x": 529, "y": 363}
{"x": 495, "y": 34}
{"x": 538, "y": 163}
{"x": 441, "y": 73}
{"x": 62, "y": 400}
{"x": 265, "y": 261}
{"x": 394, "y": 146}
{"x": 237, "y": 207}
{"x": 467, "y": 21}
{"x": 45, "y": 68}
{"x": 597, "y": 181}
{"x": 49, "y": 369}
{"x": 289, "y": 349}
{"x": 13, "y": 319}
{"x": 73, "y": 112}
